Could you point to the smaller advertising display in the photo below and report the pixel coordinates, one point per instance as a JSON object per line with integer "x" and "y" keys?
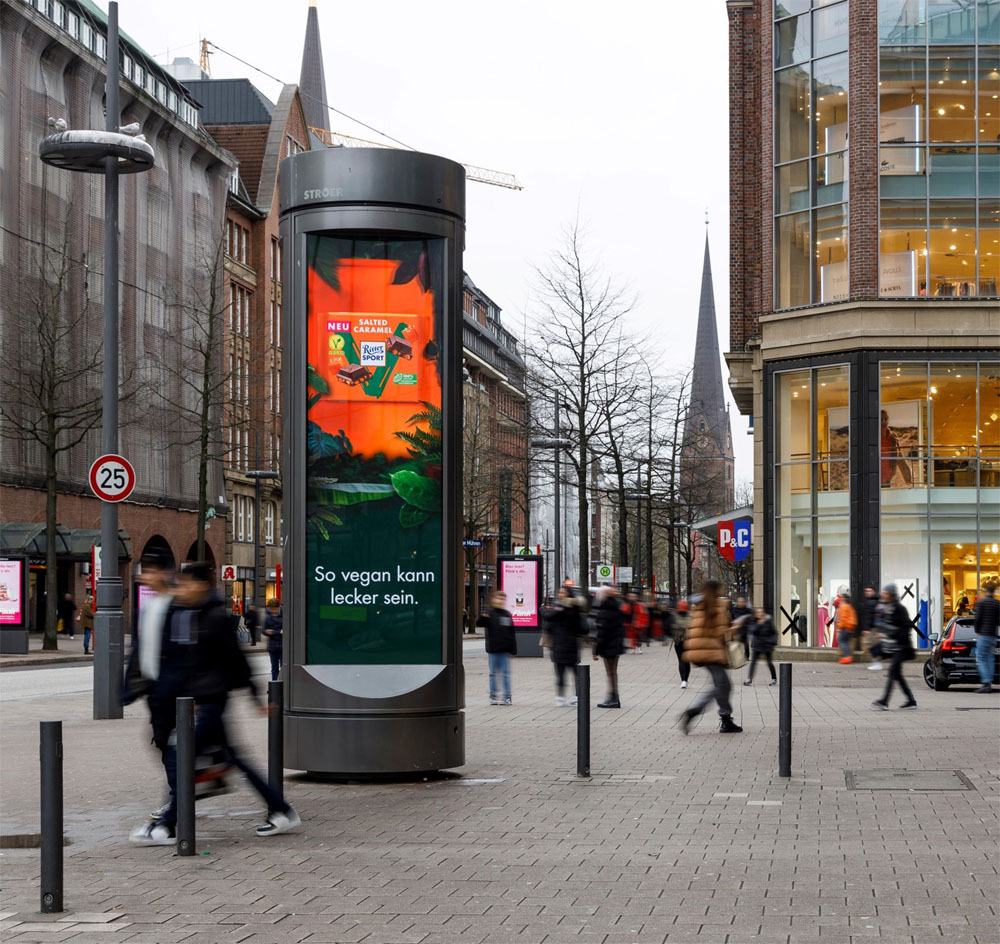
{"x": 145, "y": 595}
{"x": 12, "y": 592}
{"x": 520, "y": 578}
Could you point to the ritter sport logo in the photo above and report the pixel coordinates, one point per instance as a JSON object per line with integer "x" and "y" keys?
{"x": 734, "y": 540}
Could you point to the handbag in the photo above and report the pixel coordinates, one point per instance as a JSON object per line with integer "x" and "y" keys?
{"x": 546, "y": 641}
{"x": 736, "y": 654}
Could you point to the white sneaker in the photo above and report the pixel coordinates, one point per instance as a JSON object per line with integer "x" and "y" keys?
{"x": 560, "y": 701}
{"x": 875, "y": 667}
{"x": 684, "y": 684}
{"x": 571, "y": 702}
{"x": 279, "y": 823}
{"x": 494, "y": 701}
{"x": 153, "y": 834}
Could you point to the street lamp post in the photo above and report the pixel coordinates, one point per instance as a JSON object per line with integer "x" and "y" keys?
{"x": 555, "y": 443}
{"x": 257, "y": 475}
{"x": 638, "y": 498}
{"x": 111, "y": 152}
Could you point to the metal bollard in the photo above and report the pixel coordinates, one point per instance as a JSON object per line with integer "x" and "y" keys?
{"x": 583, "y": 720}
{"x": 276, "y": 738}
{"x": 785, "y": 720}
{"x": 51, "y": 758}
{"x": 185, "y": 777}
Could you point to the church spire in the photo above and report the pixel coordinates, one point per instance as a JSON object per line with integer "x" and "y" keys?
{"x": 312, "y": 80}
{"x": 708, "y": 398}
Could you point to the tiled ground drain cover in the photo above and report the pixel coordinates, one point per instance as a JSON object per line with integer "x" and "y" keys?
{"x": 907, "y": 780}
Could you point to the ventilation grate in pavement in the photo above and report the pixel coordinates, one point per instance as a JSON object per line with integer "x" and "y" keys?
{"x": 907, "y": 780}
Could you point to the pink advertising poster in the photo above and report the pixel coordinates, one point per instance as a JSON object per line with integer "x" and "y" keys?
{"x": 11, "y": 582}
{"x": 145, "y": 594}
{"x": 519, "y": 580}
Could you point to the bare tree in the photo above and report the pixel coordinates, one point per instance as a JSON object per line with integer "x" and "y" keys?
{"x": 202, "y": 389}
{"x": 50, "y": 388}
{"x": 579, "y": 347}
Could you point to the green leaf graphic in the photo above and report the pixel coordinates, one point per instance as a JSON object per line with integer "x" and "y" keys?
{"x": 410, "y": 517}
{"x": 418, "y": 490}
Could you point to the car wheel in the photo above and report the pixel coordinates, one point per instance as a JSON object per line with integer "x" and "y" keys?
{"x": 931, "y": 678}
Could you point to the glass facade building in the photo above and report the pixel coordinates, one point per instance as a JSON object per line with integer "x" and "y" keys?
{"x": 865, "y": 320}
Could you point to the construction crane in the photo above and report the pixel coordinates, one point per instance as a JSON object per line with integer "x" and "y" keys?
{"x": 481, "y": 174}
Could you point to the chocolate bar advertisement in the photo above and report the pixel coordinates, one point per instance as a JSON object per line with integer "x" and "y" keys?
{"x": 373, "y": 432}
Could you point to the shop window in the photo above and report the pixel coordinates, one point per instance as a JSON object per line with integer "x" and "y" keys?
{"x": 902, "y": 95}
{"x": 952, "y": 171}
{"x": 793, "y": 247}
{"x": 951, "y": 99}
{"x": 902, "y": 21}
{"x": 790, "y": 7}
{"x": 832, "y": 276}
{"x": 793, "y": 187}
{"x": 950, "y": 22}
{"x": 791, "y": 114}
{"x": 831, "y": 175}
{"x": 793, "y": 565}
{"x": 833, "y": 430}
{"x": 830, "y": 82}
{"x": 988, "y": 97}
{"x": 952, "y": 248}
{"x": 902, "y": 248}
{"x": 793, "y": 487}
{"x": 832, "y": 576}
{"x": 903, "y": 430}
{"x": 793, "y": 428}
{"x": 830, "y": 29}
{"x": 989, "y": 442}
{"x": 951, "y": 398}
{"x": 792, "y": 40}
{"x": 989, "y": 240}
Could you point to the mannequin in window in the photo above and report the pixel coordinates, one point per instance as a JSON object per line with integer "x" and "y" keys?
{"x": 822, "y": 617}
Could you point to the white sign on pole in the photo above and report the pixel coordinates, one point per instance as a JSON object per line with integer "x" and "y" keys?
{"x": 606, "y": 573}
{"x": 624, "y": 574}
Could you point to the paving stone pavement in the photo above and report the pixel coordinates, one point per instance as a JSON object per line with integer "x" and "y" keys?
{"x": 674, "y": 839}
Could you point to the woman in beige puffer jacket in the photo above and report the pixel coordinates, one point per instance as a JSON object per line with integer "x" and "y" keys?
{"x": 705, "y": 645}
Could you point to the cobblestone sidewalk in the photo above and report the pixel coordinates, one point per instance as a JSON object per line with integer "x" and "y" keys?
{"x": 674, "y": 839}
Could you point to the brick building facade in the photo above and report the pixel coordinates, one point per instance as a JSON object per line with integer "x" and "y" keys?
{"x": 52, "y": 63}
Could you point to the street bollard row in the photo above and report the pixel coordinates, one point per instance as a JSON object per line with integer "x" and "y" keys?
{"x": 583, "y": 720}
{"x": 50, "y": 756}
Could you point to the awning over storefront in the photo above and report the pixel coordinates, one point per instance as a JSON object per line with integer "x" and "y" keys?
{"x": 710, "y": 526}
{"x": 73, "y": 544}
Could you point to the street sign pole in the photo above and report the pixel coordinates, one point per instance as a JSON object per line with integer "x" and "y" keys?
{"x": 108, "y": 623}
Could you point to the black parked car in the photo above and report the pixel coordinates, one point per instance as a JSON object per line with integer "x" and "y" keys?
{"x": 953, "y": 659}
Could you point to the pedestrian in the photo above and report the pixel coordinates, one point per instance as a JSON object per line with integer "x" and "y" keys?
{"x": 66, "y": 610}
{"x": 86, "y": 619}
{"x": 465, "y": 621}
{"x": 985, "y": 620}
{"x": 893, "y": 625}
{"x": 868, "y": 607}
{"x": 501, "y": 644}
{"x": 252, "y": 621}
{"x": 609, "y": 642}
{"x": 763, "y": 638}
{"x": 273, "y": 630}
{"x": 679, "y": 628}
{"x": 845, "y": 622}
{"x": 740, "y": 611}
{"x": 203, "y": 659}
{"x": 705, "y": 645}
{"x": 564, "y": 623}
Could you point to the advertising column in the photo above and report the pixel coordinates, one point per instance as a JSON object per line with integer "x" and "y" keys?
{"x": 14, "y": 605}
{"x": 372, "y": 415}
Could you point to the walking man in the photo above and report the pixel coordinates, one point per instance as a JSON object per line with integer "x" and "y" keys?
{"x": 985, "y": 620}
{"x": 893, "y": 624}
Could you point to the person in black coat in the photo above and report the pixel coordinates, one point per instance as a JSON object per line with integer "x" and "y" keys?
{"x": 501, "y": 644}
{"x": 610, "y": 641}
{"x": 740, "y": 611}
{"x": 564, "y": 623}
{"x": 274, "y": 630}
{"x": 763, "y": 638}
{"x": 893, "y": 625}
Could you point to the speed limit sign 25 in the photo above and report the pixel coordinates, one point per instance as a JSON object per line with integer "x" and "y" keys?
{"x": 112, "y": 478}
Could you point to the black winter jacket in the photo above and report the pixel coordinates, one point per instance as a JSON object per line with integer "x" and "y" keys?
{"x": 763, "y": 635}
{"x": 893, "y": 622}
{"x": 610, "y": 640}
{"x": 273, "y": 626}
{"x": 565, "y": 625}
{"x": 499, "y": 627}
{"x": 986, "y": 616}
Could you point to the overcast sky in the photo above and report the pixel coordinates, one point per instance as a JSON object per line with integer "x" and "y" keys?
{"x": 620, "y": 110}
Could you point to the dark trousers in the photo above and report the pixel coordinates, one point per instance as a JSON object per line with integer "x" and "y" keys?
{"x": 163, "y": 718}
{"x": 561, "y": 669}
{"x": 753, "y": 663}
{"x": 275, "y": 657}
{"x": 683, "y": 667}
{"x": 896, "y": 675}
{"x": 719, "y": 692}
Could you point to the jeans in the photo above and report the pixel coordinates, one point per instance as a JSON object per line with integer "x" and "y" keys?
{"x": 499, "y": 664}
{"x": 719, "y": 691}
{"x": 275, "y": 656}
{"x": 986, "y": 657}
{"x": 845, "y": 643}
{"x": 87, "y": 633}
